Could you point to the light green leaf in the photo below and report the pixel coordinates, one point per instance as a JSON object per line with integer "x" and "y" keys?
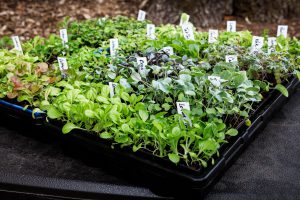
{"x": 176, "y": 131}
{"x": 157, "y": 125}
{"x": 102, "y": 99}
{"x": 36, "y": 110}
{"x": 282, "y": 89}
{"x": 106, "y": 135}
{"x": 143, "y": 114}
{"x": 185, "y": 77}
{"x": 248, "y": 122}
{"x": 105, "y": 91}
{"x": 166, "y": 106}
{"x": 53, "y": 113}
{"x": 211, "y": 111}
{"x": 89, "y": 113}
{"x": 68, "y": 127}
{"x": 125, "y": 128}
{"x": 125, "y": 96}
{"x": 174, "y": 157}
{"x": 136, "y": 76}
{"x": 190, "y": 92}
{"x": 232, "y": 132}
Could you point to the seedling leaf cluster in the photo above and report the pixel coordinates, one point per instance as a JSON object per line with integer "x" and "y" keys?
{"x": 140, "y": 110}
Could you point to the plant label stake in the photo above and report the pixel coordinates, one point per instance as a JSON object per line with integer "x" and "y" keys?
{"x": 142, "y": 62}
{"x": 231, "y": 58}
{"x": 112, "y": 87}
{"x": 101, "y": 21}
{"x": 183, "y": 106}
{"x": 184, "y": 19}
{"x": 187, "y": 30}
{"x": 231, "y": 26}
{"x": 141, "y": 15}
{"x": 64, "y": 37}
{"x": 63, "y": 65}
{"x": 212, "y": 36}
{"x": 168, "y": 50}
{"x": 17, "y": 43}
{"x": 282, "y": 30}
{"x": 271, "y": 45}
{"x": 257, "y": 44}
{"x": 113, "y": 44}
{"x": 151, "y": 31}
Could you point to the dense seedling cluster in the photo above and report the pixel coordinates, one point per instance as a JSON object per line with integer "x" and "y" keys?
{"x": 171, "y": 95}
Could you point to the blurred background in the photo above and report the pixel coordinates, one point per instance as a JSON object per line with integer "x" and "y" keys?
{"x": 28, "y": 18}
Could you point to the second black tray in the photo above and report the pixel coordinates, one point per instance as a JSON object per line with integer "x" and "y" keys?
{"x": 162, "y": 175}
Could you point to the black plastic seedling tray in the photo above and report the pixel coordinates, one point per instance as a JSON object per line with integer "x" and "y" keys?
{"x": 165, "y": 177}
{"x": 159, "y": 174}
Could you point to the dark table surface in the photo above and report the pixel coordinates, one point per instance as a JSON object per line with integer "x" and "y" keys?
{"x": 268, "y": 169}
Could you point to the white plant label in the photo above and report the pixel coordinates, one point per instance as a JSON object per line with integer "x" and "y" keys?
{"x": 271, "y": 45}
{"x": 64, "y": 36}
{"x": 187, "y": 30}
{"x": 231, "y": 26}
{"x": 112, "y": 87}
{"x": 62, "y": 62}
{"x": 141, "y": 15}
{"x": 183, "y": 106}
{"x": 282, "y": 30}
{"x": 17, "y": 43}
{"x": 101, "y": 20}
{"x": 142, "y": 62}
{"x": 113, "y": 45}
{"x": 184, "y": 19}
{"x": 215, "y": 80}
{"x": 168, "y": 50}
{"x": 212, "y": 36}
{"x": 231, "y": 58}
{"x": 257, "y": 44}
{"x": 151, "y": 31}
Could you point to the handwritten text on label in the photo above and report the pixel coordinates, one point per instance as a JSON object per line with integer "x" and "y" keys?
{"x": 113, "y": 45}
{"x": 17, "y": 43}
{"x": 231, "y": 58}
{"x": 62, "y": 62}
{"x": 168, "y": 50}
{"x": 282, "y": 30}
{"x": 271, "y": 45}
{"x": 112, "y": 86}
{"x": 181, "y": 106}
{"x": 231, "y": 26}
{"x": 64, "y": 36}
{"x": 187, "y": 30}
{"x": 151, "y": 31}
{"x": 215, "y": 80}
{"x": 184, "y": 106}
{"x": 257, "y": 44}
{"x": 141, "y": 15}
{"x": 142, "y": 62}
{"x": 212, "y": 36}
